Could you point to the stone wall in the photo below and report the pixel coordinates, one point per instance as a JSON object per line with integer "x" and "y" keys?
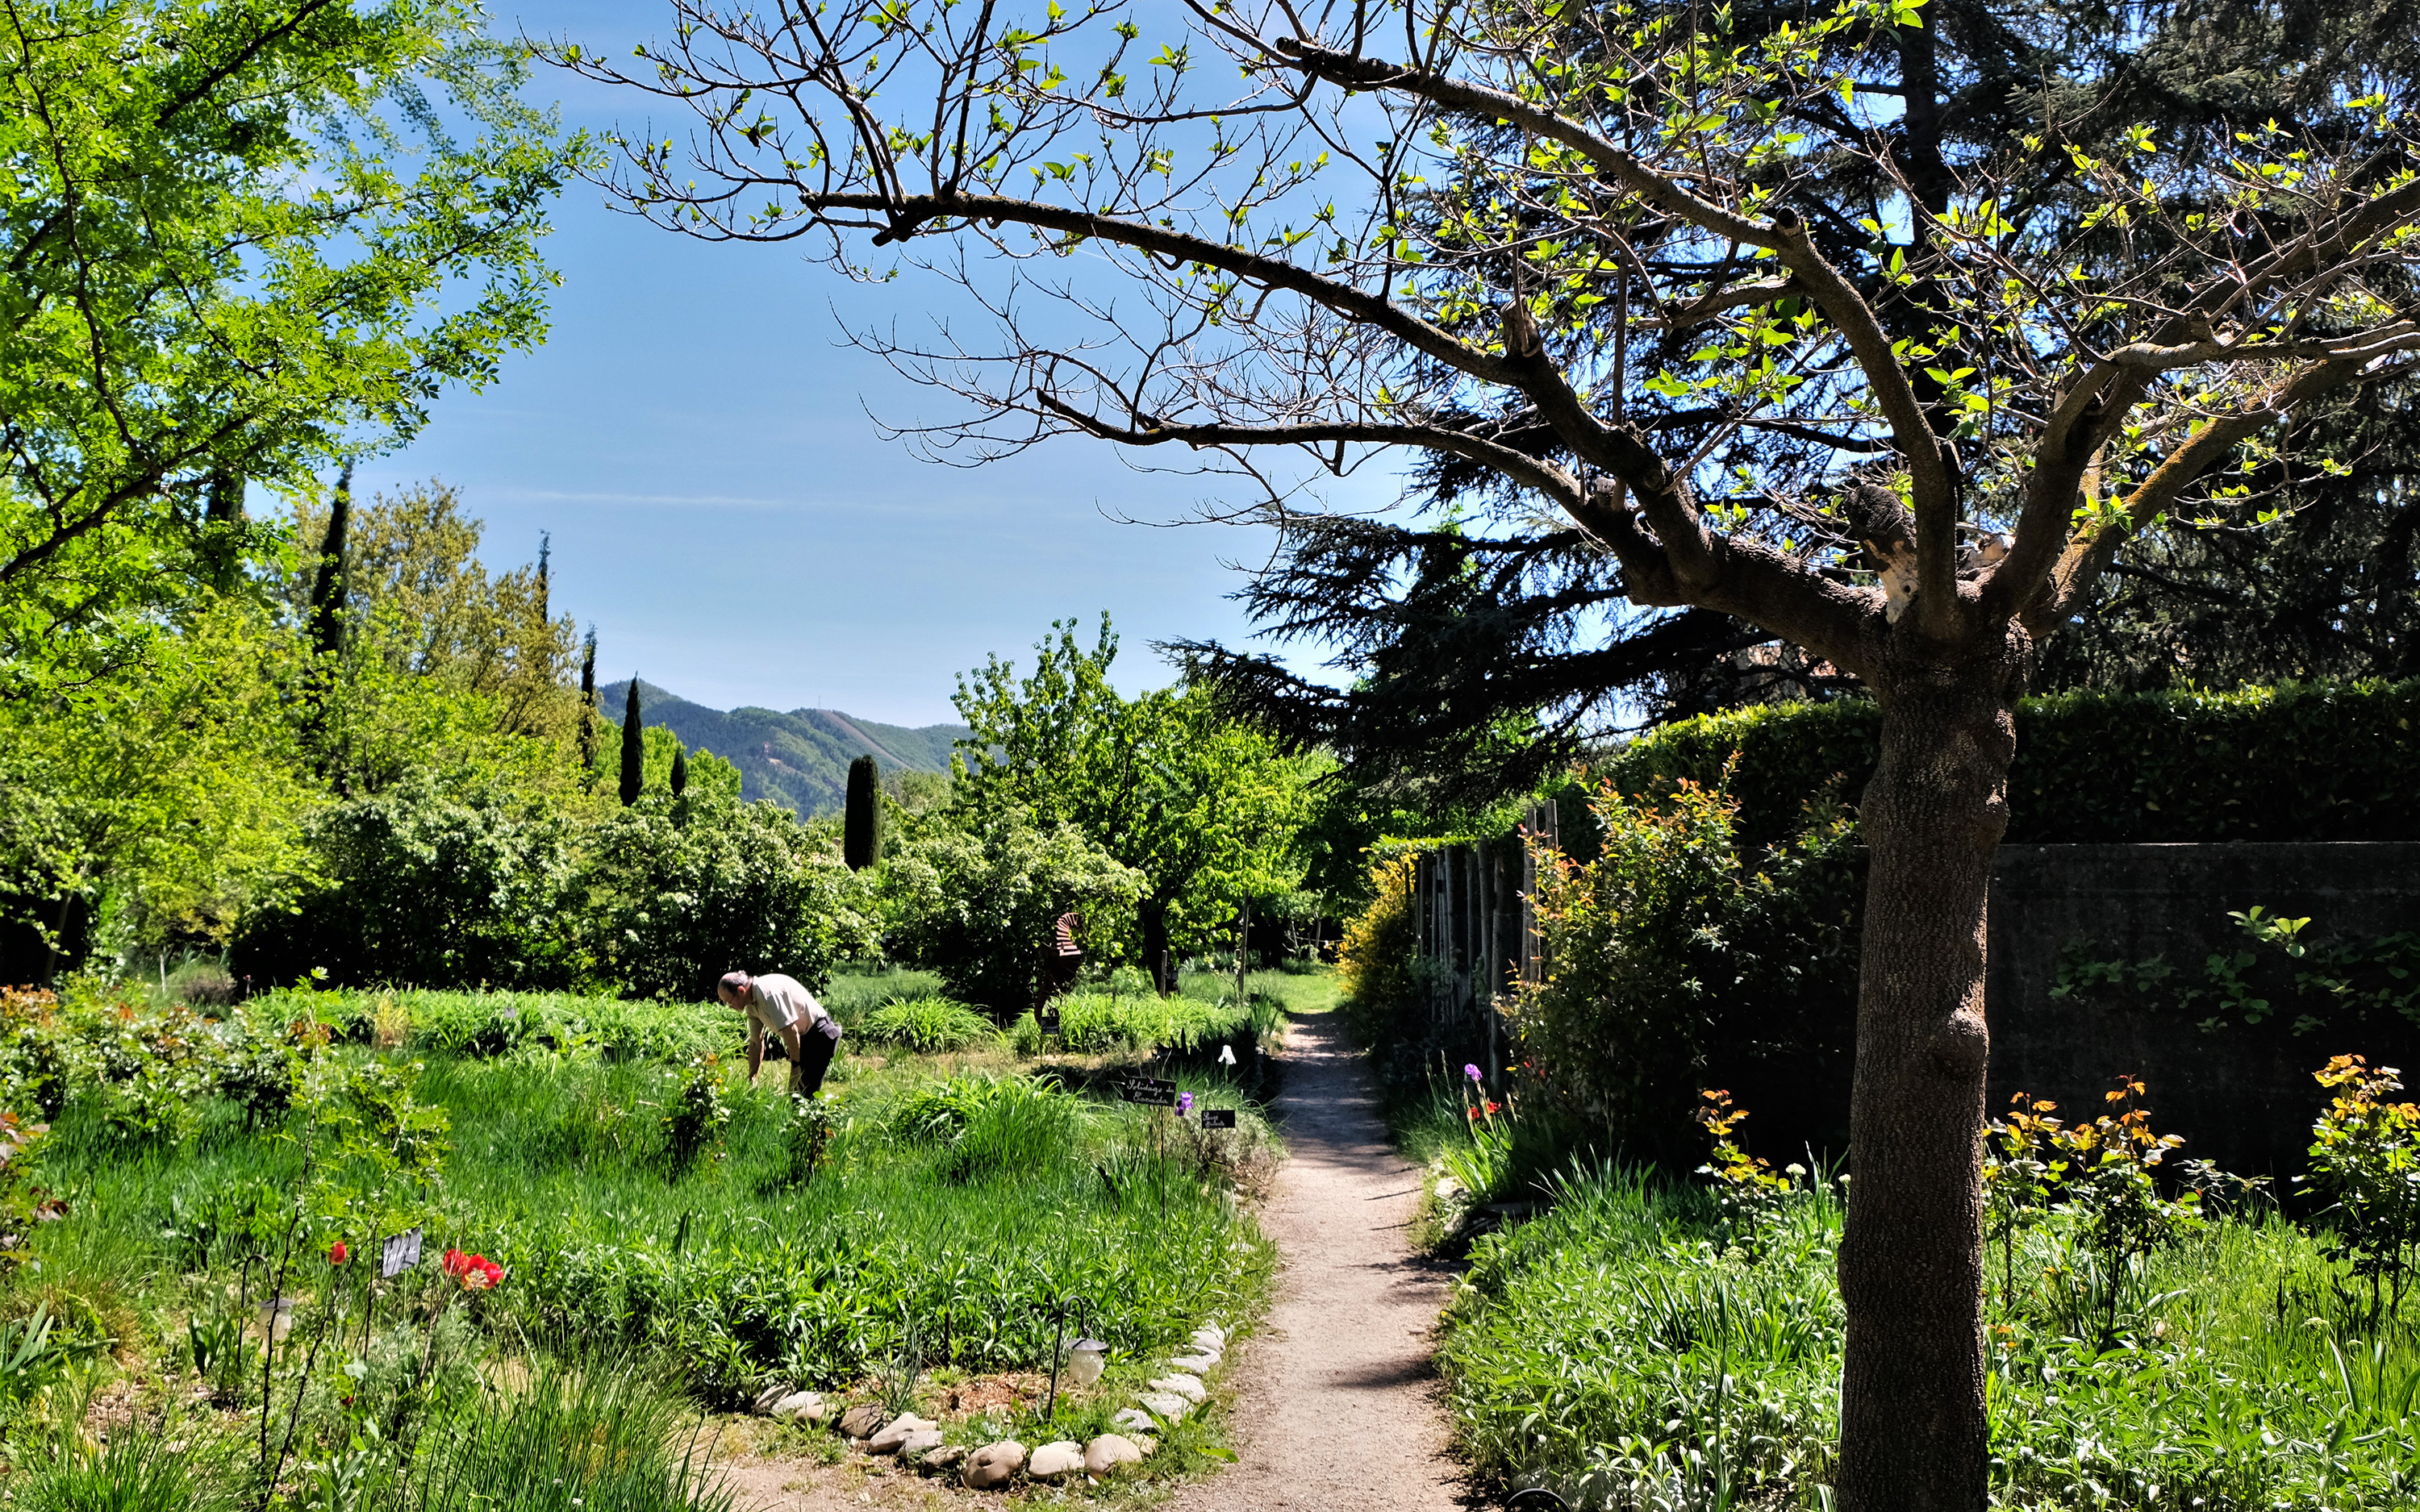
{"x": 2241, "y": 1095}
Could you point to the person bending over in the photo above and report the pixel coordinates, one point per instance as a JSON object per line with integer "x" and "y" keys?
{"x": 782, "y": 1005}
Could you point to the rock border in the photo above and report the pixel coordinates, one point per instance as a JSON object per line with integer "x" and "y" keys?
{"x": 917, "y": 1441}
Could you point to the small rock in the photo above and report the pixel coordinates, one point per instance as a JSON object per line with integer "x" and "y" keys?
{"x": 803, "y": 1404}
{"x": 945, "y": 1458}
{"x": 920, "y": 1443}
{"x": 1133, "y": 1417}
{"x": 1054, "y": 1460}
{"x": 1166, "y": 1405}
{"x": 861, "y": 1422}
{"x": 990, "y": 1466}
{"x": 894, "y": 1436}
{"x": 1189, "y": 1387}
{"x": 1210, "y": 1336}
{"x": 767, "y": 1398}
{"x": 1198, "y": 1363}
{"x": 1111, "y": 1449}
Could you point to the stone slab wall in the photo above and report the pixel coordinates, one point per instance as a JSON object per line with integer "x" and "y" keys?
{"x": 2241, "y": 1096}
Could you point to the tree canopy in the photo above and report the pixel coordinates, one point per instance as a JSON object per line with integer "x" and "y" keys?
{"x": 242, "y": 241}
{"x": 1204, "y": 807}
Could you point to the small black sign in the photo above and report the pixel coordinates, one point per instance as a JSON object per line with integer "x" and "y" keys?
{"x": 1150, "y": 1092}
{"x": 1218, "y": 1117}
{"x": 1046, "y": 1017}
{"x": 398, "y": 1254}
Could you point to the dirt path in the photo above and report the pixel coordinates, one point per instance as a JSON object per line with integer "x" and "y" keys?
{"x": 1335, "y": 1399}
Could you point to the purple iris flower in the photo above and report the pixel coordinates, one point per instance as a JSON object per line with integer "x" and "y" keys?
{"x": 1471, "y": 1072}
{"x": 1184, "y": 1103}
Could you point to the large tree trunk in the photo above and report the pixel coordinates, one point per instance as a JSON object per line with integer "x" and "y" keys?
{"x": 1913, "y": 1437}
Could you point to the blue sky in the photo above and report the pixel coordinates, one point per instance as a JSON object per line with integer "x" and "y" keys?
{"x": 722, "y": 505}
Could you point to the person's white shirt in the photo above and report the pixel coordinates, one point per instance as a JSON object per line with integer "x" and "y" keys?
{"x": 780, "y": 1002}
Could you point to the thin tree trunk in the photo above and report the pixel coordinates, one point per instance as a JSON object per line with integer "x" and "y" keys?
{"x": 1913, "y": 1437}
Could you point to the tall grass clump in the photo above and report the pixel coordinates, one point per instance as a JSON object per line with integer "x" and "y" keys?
{"x": 927, "y": 1025}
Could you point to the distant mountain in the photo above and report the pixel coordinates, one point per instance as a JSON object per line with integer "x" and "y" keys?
{"x": 801, "y": 759}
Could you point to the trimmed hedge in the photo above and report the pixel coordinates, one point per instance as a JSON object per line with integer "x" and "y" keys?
{"x": 2299, "y": 762}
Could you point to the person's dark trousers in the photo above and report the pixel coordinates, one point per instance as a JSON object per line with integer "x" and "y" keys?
{"x": 816, "y": 1042}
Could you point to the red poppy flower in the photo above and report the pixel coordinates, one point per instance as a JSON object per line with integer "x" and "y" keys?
{"x": 337, "y": 1253}
{"x": 476, "y": 1273}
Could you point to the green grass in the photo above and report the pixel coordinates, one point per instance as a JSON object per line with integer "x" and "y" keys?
{"x": 1615, "y": 1350}
{"x": 965, "y": 1205}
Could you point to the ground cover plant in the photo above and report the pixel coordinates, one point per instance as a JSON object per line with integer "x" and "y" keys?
{"x": 618, "y": 1234}
{"x": 2160, "y": 1334}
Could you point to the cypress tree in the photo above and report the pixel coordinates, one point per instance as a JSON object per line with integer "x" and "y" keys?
{"x": 588, "y": 709}
{"x": 224, "y": 518}
{"x": 545, "y": 549}
{"x": 634, "y": 747}
{"x": 328, "y": 589}
{"x": 861, "y": 844}
{"x": 327, "y": 619}
{"x": 680, "y": 771}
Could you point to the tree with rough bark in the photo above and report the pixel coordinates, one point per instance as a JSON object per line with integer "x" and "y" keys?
{"x": 1295, "y": 242}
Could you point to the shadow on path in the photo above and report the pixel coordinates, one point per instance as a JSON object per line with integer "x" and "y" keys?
{"x": 1336, "y": 1405}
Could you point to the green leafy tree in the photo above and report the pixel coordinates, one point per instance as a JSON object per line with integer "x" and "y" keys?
{"x": 977, "y": 901}
{"x": 157, "y": 807}
{"x": 246, "y": 240}
{"x": 1204, "y": 807}
{"x": 672, "y": 902}
{"x": 442, "y": 879}
{"x": 862, "y": 835}
{"x": 1904, "y": 431}
{"x": 634, "y": 749}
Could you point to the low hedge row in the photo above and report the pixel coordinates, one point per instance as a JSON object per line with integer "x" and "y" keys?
{"x": 2297, "y": 762}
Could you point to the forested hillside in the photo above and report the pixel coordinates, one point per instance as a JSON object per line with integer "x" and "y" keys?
{"x": 799, "y": 759}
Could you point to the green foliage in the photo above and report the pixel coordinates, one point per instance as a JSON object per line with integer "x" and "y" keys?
{"x": 696, "y": 1115}
{"x": 2299, "y": 762}
{"x": 861, "y": 831}
{"x": 976, "y": 903}
{"x": 2366, "y": 1160}
{"x": 2305, "y": 983}
{"x": 806, "y": 1138}
{"x": 1204, "y": 808}
{"x": 675, "y": 893}
{"x": 1097, "y": 1023}
{"x": 924, "y": 1024}
{"x": 434, "y": 882}
{"x": 348, "y": 204}
{"x": 1674, "y": 960}
{"x": 1377, "y": 959}
{"x": 1621, "y": 1349}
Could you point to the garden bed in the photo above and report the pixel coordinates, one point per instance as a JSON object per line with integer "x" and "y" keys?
{"x": 940, "y": 1222}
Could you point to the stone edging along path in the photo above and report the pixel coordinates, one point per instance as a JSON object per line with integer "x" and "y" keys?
{"x": 1334, "y": 1397}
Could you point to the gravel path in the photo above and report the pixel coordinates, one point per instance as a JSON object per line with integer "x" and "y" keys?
{"x": 1335, "y": 1400}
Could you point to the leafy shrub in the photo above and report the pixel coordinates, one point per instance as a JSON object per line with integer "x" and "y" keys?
{"x": 926, "y": 1024}
{"x": 435, "y": 881}
{"x": 1674, "y": 961}
{"x": 2366, "y": 1160}
{"x": 977, "y": 905}
{"x": 1377, "y": 960}
{"x": 696, "y": 1113}
{"x": 677, "y": 893}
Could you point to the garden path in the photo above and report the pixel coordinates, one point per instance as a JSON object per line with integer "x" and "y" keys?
{"x": 1336, "y": 1404}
